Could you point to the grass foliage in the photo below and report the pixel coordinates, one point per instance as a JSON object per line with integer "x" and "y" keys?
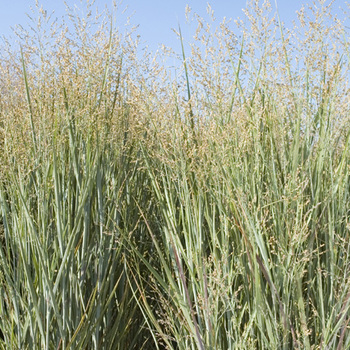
{"x": 209, "y": 209}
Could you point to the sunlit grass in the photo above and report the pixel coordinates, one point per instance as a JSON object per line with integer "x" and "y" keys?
{"x": 205, "y": 211}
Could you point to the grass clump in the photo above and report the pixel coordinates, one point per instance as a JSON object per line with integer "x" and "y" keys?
{"x": 204, "y": 211}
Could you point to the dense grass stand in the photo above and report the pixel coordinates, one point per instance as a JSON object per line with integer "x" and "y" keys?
{"x": 209, "y": 209}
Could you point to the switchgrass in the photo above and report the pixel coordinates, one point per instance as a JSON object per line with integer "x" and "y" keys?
{"x": 209, "y": 210}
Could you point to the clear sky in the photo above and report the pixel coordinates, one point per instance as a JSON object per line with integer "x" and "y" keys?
{"x": 155, "y": 18}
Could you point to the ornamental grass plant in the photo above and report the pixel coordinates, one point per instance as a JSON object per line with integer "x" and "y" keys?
{"x": 202, "y": 207}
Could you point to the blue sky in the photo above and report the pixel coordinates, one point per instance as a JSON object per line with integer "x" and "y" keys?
{"x": 155, "y": 18}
